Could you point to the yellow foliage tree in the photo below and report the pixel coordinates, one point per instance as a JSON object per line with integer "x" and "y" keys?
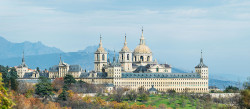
{"x": 5, "y": 98}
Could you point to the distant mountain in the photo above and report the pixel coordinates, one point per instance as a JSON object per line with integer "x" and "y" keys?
{"x": 10, "y": 50}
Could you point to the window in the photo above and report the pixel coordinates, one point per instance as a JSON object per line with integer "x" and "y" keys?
{"x": 157, "y": 69}
{"x": 97, "y": 56}
{"x": 103, "y": 57}
{"x": 122, "y": 57}
{"x": 127, "y": 56}
{"x": 148, "y": 59}
{"x": 141, "y": 58}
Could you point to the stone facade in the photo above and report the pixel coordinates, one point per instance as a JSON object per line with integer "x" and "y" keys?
{"x": 133, "y": 70}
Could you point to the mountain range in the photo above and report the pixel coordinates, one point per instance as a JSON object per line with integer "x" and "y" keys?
{"x": 42, "y": 56}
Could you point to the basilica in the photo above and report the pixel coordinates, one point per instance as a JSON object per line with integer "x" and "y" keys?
{"x": 133, "y": 70}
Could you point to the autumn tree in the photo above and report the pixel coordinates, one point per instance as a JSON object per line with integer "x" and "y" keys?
{"x": 5, "y": 98}
{"x": 57, "y": 84}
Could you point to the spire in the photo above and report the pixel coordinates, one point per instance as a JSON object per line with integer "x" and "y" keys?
{"x": 23, "y": 61}
{"x": 114, "y": 57}
{"x": 125, "y": 43}
{"x": 142, "y": 42}
{"x": 60, "y": 62}
{"x": 108, "y": 59}
{"x": 201, "y": 60}
{"x": 100, "y": 44}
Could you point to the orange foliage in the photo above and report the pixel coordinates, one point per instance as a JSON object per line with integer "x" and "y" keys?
{"x": 71, "y": 93}
{"x": 28, "y": 103}
{"x": 52, "y": 105}
{"x": 135, "y": 106}
{"x": 100, "y": 101}
{"x": 87, "y": 99}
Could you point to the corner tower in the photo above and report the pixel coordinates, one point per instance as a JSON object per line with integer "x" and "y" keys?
{"x": 201, "y": 68}
{"x": 125, "y": 57}
{"x": 100, "y": 57}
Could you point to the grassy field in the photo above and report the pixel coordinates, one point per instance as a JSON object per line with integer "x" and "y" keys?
{"x": 180, "y": 102}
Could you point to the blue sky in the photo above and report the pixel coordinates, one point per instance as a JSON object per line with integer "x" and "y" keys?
{"x": 176, "y": 31}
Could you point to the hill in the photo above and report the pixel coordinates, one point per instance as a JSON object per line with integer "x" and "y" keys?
{"x": 9, "y": 49}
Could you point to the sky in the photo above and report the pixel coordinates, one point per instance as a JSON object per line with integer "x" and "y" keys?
{"x": 175, "y": 30}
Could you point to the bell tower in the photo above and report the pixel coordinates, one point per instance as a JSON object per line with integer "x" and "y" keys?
{"x": 125, "y": 57}
{"x": 100, "y": 57}
{"x": 201, "y": 68}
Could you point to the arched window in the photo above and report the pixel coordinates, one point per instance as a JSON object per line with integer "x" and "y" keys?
{"x": 103, "y": 57}
{"x": 127, "y": 56}
{"x": 122, "y": 57}
{"x": 135, "y": 58}
{"x": 148, "y": 59}
{"x": 97, "y": 56}
{"x": 157, "y": 69}
{"x": 141, "y": 58}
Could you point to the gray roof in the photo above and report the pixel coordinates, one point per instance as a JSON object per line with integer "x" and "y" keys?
{"x": 152, "y": 89}
{"x": 72, "y": 68}
{"x": 99, "y": 74}
{"x": 201, "y": 64}
{"x": 29, "y": 74}
{"x": 142, "y": 69}
{"x": 160, "y": 75}
{"x": 110, "y": 85}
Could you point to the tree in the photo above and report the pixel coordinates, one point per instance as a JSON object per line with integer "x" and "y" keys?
{"x": 144, "y": 97}
{"x": 246, "y": 98}
{"x": 118, "y": 94}
{"x": 5, "y": 98}
{"x": 38, "y": 69}
{"x": 25, "y": 88}
{"x": 43, "y": 87}
{"x": 245, "y": 94}
{"x": 13, "y": 77}
{"x": 63, "y": 96}
{"x": 132, "y": 95}
{"x": 57, "y": 84}
{"x": 69, "y": 79}
{"x": 231, "y": 89}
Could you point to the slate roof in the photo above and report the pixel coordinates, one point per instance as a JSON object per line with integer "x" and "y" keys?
{"x": 160, "y": 75}
{"x": 72, "y": 68}
{"x": 152, "y": 89}
{"x": 99, "y": 74}
{"x": 141, "y": 69}
{"x": 29, "y": 74}
{"x": 201, "y": 64}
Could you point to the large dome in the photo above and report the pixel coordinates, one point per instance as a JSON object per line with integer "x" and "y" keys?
{"x": 142, "y": 49}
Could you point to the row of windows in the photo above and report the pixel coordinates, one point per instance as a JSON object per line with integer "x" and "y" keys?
{"x": 141, "y": 58}
{"x": 179, "y": 89}
{"x": 167, "y": 83}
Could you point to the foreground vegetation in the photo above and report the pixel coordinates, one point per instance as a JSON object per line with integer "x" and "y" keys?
{"x": 66, "y": 93}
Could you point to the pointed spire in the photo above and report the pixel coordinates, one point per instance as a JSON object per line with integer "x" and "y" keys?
{"x": 23, "y": 61}
{"x": 100, "y": 44}
{"x": 125, "y": 43}
{"x": 60, "y": 62}
{"x": 108, "y": 59}
{"x": 114, "y": 57}
{"x": 201, "y": 60}
{"x": 142, "y": 42}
